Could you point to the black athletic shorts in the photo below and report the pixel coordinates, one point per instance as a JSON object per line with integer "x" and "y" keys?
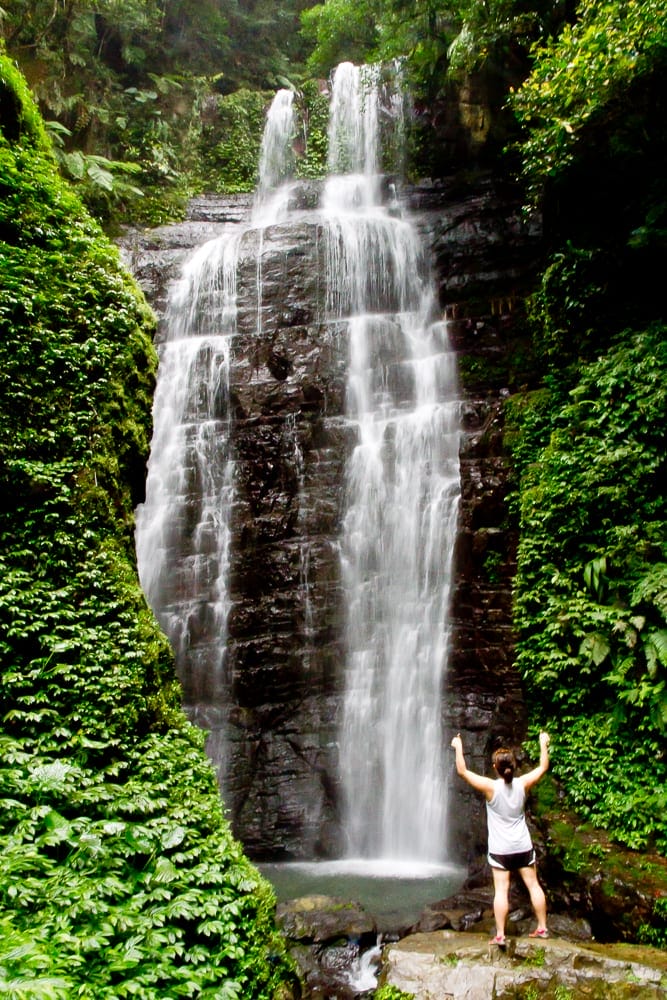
{"x": 512, "y": 862}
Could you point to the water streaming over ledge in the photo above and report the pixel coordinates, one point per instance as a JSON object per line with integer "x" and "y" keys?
{"x": 401, "y": 498}
{"x": 402, "y": 481}
{"x": 183, "y": 528}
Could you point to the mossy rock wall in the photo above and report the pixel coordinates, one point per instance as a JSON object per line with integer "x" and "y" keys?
{"x": 120, "y": 876}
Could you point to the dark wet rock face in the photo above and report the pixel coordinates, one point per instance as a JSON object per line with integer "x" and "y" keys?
{"x": 276, "y": 716}
{"x": 327, "y": 937}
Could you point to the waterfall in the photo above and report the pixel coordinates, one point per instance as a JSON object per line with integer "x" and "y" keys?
{"x": 400, "y": 494}
{"x": 183, "y": 527}
{"x": 401, "y": 498}
{"x": 276, "y": 163}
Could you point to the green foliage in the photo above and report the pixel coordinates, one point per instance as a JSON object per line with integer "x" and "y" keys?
{"x": 314, "y": 108}
{"x": 19, "y": 118}
{"x": 267, "y": 48}
{"x": 391, "y": 993}
{"x": 655, "y": 933}
{"x": 500, "y": 33}
{"x": 566, "y": 308}
{"x": 127, "y": 879}
{"x": 592, "y": 585}
{"x": 120, "y": 876}
{"x": 580, "y": 74}
{"x": 231, "y": 141}
{"x": 339, "y": 31}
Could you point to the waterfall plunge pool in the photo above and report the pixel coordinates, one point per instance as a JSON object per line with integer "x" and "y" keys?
{"x": 394, "y": 892}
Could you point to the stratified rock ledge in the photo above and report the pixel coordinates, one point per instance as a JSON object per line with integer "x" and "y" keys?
{"x": 464, "y": 966}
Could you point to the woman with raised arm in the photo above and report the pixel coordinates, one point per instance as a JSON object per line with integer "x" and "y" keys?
{"x": 510, "y": 844}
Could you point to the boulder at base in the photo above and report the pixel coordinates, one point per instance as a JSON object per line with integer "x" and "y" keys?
{"x": 464, "y": 966}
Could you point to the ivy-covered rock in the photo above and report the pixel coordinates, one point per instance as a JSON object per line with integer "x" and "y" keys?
{"x": 120, "y": 876}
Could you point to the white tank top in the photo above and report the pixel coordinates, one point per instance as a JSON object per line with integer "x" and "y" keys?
{"x": 508, "y": 831}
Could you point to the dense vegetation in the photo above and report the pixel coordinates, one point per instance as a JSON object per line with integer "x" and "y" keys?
{"x": 119, "y": 874}
{"x": 125, "y": 86}
{"x": 590, "y": 447}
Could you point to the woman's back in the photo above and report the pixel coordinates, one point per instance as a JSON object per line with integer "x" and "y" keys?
{"x": 508, "y": 832}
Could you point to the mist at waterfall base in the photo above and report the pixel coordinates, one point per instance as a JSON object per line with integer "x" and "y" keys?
{"x": 400, "y": 509}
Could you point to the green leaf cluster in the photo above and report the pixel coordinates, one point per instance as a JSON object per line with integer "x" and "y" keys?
{"x": 120, "y": 876}
{"x": 588, "y": 443}
{"x": 580, "y": 74}
{"x": 231, "y": 141}
{"x": 125, "y": 881}
{"x": 591, "y": 588}
{"x": 392, "y": 993}
{"x": 339, "y": 31}
{"x": 313, "y": 110}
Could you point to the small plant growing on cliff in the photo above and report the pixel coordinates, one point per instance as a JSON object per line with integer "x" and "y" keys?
{"x": 449, "y": 960}
{"x": 562, "y": 993}
{"x": 392, "y": 993}
{"x": 655, "y": 933}
{"x": 535, "y": 958}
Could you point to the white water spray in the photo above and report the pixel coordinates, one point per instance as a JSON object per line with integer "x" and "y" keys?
{"x": 183, "y": 529}
{"x": 401, "y": 499}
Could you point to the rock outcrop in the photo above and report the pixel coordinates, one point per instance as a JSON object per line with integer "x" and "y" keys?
{"x": 339, "y": 956}
{"x": 466, "y": 967}
{"x": 327, "y": 938}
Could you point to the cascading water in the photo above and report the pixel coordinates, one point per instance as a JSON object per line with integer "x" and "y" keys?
{"x": 401, "y": 489}
{"x": 401, "y": 499}
{"x": 182, "y": 530}
{"x": 276, "y": 159}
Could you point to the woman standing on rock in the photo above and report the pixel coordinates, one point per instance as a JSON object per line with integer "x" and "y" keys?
{"x": 510, "y": 844}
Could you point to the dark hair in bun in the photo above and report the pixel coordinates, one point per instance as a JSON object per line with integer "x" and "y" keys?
{"x": 505, "y": 764}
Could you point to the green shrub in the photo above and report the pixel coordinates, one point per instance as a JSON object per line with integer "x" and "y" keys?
{"x": 231, "y": 141}
{"x": 120, "y": 875}
{"x": 392, "y": 993}
{"x": 591, "y": 587}
{"x": 313, "y": 105}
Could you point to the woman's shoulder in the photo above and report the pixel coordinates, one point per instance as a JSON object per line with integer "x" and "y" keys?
{"x": 497, "y": 784}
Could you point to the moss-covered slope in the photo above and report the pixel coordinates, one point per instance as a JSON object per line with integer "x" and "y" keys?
{"x": 119, "y": 874}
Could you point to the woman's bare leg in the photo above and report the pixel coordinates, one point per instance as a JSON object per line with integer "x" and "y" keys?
{"x": 501, "y": 886}
{"x": 536, "y": 893}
